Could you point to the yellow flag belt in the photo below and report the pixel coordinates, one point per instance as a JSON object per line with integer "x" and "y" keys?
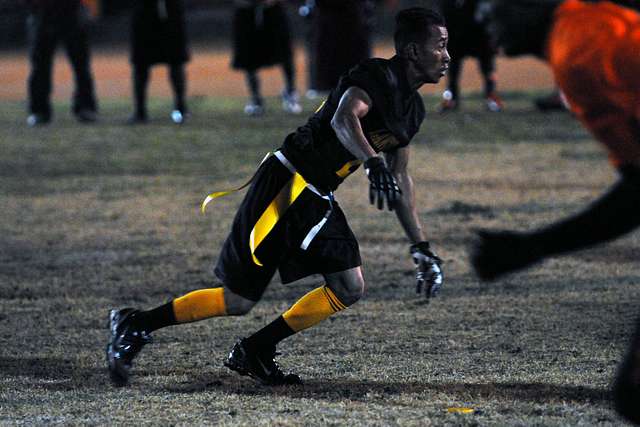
{"x": 269, "y": 218}
{"x": 217, "y": 194}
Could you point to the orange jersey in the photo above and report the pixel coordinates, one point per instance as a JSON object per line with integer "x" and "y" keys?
{"x": 594, "y": 52}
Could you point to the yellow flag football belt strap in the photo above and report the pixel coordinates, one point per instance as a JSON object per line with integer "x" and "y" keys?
{"x": 217, "y": 194}
{"x": 278, "y": 206}
{"x": 287, "y": 164}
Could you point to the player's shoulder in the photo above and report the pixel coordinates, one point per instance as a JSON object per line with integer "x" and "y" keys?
{"x": 378, "y": 71}
{"x": 372, "y": 66}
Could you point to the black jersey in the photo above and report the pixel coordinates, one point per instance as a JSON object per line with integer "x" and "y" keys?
{"x": 394, "y": 118}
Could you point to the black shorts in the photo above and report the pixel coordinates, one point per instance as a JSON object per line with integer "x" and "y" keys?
{"x": 284, "y": 224}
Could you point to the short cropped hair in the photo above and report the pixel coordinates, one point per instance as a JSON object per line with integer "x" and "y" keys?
{"x": 414, "y": 25}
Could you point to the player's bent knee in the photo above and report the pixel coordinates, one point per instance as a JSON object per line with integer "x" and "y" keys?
{"x": 236, "y": 305}
{"x": 348, "y": 286}
{"x": 352, "y": 295}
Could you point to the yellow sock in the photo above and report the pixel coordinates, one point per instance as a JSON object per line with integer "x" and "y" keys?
{"x": 312, "y": 308}
{"x": 198, "y": 305}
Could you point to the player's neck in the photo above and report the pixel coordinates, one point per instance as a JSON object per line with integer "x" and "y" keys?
{"x": 409, "y": 73}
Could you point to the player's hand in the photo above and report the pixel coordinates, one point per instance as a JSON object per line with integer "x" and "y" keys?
{"x": 428, "y": 269}
{"x": 382, "y": 184}
{"x": 496, "y": 253}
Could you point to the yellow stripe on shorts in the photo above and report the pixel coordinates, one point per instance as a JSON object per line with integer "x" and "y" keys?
{"x": 345, "y": 170}
{"x": 269, "y": 218}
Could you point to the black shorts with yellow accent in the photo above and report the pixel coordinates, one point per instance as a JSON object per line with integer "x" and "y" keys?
{"x": 284, "y": 225}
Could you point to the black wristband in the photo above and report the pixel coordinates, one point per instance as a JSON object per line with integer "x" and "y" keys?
{"x": 373, "y": 162}
{"x": 423, "y": 247}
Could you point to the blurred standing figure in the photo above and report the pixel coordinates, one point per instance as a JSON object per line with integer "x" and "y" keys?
{"x": 469, "y": 37}
{"x": 158, "y": 35}
{"x": 49, "y": 22}
{"x": 341, "y": 39}
{"x": 261, "y": 37}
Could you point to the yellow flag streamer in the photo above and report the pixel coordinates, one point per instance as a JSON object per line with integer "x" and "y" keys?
{"x": 216, "y": 194}
{"x": 269, "y": 218}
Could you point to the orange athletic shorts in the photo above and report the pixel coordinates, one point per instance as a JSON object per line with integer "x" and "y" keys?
{"x": 594, "y": 52}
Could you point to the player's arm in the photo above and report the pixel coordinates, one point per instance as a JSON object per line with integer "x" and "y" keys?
{"x": 405, "y": 206}
{"x": 616, "y": 213}
{"x": 353, "y": 106}
{"x": 428, "y": 264}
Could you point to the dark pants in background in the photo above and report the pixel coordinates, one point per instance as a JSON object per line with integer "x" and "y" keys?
{"x": 45, "y": 31}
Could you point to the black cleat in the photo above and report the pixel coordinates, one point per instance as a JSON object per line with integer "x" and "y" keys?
{"x": 124, "y": 344}
{"x": 258, "y": 365}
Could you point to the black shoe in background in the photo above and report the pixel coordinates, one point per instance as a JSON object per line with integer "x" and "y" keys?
{"x": 551, "y": 102}
{"x": 137, "y": 119}
{"x": 86, "y": 116}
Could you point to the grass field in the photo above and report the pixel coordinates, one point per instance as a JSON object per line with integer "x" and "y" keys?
{"x": 95, "y": 217}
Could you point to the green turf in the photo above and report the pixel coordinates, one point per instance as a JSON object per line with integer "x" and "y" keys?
{"x": 101, "y": 216}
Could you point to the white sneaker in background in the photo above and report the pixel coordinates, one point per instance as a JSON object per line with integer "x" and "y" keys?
{"x": 290, "y": 102}
{"x": 254, "y": 109}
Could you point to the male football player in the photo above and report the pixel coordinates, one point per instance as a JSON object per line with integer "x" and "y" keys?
{"x": 290, "y": 221}
{"x": 593, "y": 48}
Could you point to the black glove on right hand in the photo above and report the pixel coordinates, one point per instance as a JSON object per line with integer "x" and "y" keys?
{"x": 382, "y": 184}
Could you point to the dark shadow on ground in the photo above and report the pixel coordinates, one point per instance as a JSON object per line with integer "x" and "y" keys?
{"x": 364, "y": 390}
{"x": 61, "y": 374}
{"x": 53, "y": 373}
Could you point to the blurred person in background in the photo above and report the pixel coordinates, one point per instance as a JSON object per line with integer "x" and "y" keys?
{"x": 306, "y": 11}
{"x": 261, "y": 38}
{"x": 340, "y": 39}
{"x": 158, "y": 36}
{"x": 50, "y": 22}
{"x": 468, "y": 29}
{"x": 593, "y": 48}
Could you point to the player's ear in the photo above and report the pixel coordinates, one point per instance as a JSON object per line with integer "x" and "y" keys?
{"x": 411, "y": 50}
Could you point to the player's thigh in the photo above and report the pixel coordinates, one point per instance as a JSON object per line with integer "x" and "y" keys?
{"x": 254, "y": 247}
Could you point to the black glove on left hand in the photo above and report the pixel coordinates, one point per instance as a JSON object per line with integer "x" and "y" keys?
{"x": 428, "y": 272}
{"x": 382, "y": 184}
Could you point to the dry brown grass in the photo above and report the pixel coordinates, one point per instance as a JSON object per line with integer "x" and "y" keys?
{"x": 101, "y": 217}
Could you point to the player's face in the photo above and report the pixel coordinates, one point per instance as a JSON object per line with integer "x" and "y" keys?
{"x": 433, "y": 58}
